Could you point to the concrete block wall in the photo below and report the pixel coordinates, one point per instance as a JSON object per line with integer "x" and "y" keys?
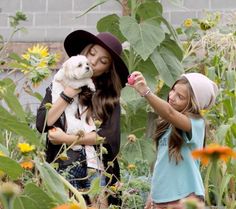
{"x": 51, "y": 20}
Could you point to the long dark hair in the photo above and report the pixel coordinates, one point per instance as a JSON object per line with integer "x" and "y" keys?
{"x": 108, "y": 88}
{"x": 176, "y": 140}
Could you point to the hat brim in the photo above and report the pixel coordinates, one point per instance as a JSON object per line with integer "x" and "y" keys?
{"x": 76, "y": 41}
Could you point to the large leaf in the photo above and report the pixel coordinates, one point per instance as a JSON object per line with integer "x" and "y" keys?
{"x": 11, "y": 99}
{"x": 173, "y": 47}
{"x": 143, "y": 37}
{"x": 11, "y": 123}
{"x": 52, "y": 182}
{"x": 148, "y": 10}
{"x": 110, "y": 23}
{"x": 10, "y": 167}
{"x": 33, "y": 198}
{"x": 167, "y": 65}
{"x": 141, "y": 149}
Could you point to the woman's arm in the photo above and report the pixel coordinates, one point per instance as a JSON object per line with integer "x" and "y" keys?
{"x": 161, "y": 107}
{"x": 58, "y": 136}
{"x": 60, "y": 105}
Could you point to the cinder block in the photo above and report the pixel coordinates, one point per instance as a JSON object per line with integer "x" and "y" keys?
{"x": 10, "y": 6}
{"x": 33, "y": 35}
{"x": 47, "y": 19}
{"x": 57, "y": 34}
{"x": 3, "y": 20}
{"x": 59, "y": 5}
{"x": 72, "y": 19}
{"x": 226, "y": 4}
{"x": 200, "y": 4}
{"x": 170, "y": 6}
{"x": 82, "y": 5}
{"x": 111, "y": 6}
{"x": 34, "y": 6}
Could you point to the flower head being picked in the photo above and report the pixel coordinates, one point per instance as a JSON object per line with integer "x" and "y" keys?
{"x": 213, "y": 152}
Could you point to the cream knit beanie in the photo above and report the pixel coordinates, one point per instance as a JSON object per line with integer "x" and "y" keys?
{"x": 204, "y": 89}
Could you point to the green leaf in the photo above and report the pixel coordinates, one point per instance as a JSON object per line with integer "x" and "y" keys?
{"x": 34, "y": 197}
{"x": 143, "y": 37}
{"x": 173, "y": 47}
{"x": 11, "y": 99}
{"x": 4, "y": 150}
{"x": 167, "y": 65}
{"x": 110, "y": 23}
{"x": 141, "y": 149}
{"x": 149, "y": 10}
{"x": 17, "y": 58}
{"x": 10, "y": 167}
{"x": 11, "y": 123}
{"x": 53, "y": 184}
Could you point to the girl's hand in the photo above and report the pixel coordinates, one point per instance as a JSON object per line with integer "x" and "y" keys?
{"x": 57, "y": 136}
{"x": 138, "y": 82}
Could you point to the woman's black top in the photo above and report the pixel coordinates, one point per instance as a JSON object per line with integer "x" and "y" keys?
{"x": 109, "y": 129}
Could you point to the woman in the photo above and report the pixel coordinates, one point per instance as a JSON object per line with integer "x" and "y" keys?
{"x": 180, "y": 129}
{"x": 109, "y": 76}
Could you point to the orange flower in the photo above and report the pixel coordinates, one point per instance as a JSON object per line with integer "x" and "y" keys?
{"x": 28, "y": 165}
{"x": 68, "y": 206}
{"x": 213, "y": 152}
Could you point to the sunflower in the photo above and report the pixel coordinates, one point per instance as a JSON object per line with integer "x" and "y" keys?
{"x": 40, "y": 50}
{"x": 188, "y": 23}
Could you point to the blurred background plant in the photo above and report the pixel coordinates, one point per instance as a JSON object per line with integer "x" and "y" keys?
{"x": 209, "y": 45}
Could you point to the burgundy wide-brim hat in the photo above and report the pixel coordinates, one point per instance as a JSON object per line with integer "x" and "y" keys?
{"x": 76, "y": 41}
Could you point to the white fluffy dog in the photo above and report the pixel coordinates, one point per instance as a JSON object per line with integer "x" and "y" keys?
{"x": 76, "y": 73}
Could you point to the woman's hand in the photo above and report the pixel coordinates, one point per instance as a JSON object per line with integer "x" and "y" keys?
{"x": 70, "y": 92}
{"x": 57, "y": 136}
{"x": 138, "y": 82}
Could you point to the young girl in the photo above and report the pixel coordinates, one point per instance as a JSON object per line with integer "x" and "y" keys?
{"x": 180, "y": 130}
{"x": 109, "y": 76}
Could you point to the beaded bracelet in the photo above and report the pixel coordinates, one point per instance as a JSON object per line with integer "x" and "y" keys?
{"x": 146, "y": 93}
{"x": 66, "y": 98}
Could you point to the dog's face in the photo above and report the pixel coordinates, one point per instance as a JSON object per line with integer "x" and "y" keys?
{"x": 77, "y": 67}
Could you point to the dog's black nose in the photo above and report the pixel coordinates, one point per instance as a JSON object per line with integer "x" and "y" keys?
{"x": 87, "y": 68}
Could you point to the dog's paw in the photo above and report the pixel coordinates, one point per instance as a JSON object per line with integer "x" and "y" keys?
{"x": 92, "y": 86}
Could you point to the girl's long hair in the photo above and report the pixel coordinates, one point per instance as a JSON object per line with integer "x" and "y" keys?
{"x": 108, "y": 88}
{"x": 176, "y": 140}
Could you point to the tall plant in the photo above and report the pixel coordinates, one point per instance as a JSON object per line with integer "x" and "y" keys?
{"x": 151, "y": 46}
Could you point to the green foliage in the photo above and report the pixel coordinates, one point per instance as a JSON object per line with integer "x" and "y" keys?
{"x": 10, "y": 167}
{"x": 208, "y": 49}
{"x": 15, "y": 20}
{"x": 147, "y": 38}
{"x": 33, "y": 197}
